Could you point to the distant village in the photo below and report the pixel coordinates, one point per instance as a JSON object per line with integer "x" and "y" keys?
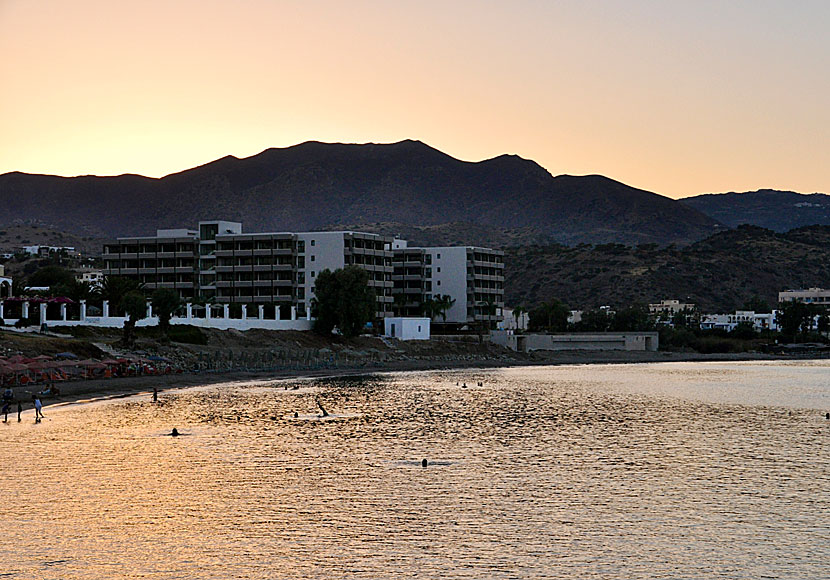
{"x": 226, "y": 278}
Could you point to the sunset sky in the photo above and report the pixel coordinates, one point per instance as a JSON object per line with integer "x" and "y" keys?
{"x": 679, "y": 98}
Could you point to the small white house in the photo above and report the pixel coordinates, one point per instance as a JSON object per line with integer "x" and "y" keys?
{"x": 406, "y": 328}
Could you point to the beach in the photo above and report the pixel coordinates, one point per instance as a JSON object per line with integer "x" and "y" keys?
{"x": 79, "y": 390}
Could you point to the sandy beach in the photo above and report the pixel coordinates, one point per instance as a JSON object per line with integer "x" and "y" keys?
{"x": 75, "y": 391}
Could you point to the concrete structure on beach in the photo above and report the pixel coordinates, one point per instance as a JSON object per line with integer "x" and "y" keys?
{"x": 631, "y": 341}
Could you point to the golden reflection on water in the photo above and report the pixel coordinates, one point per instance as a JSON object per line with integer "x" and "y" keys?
{"x": 567, "y": 472}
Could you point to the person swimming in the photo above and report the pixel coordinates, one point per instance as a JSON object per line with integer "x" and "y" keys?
{"x": 174, "y": 432}
{"x": 424, "y": 462}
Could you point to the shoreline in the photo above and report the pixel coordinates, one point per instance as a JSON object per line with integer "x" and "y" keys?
{"x": 98, "y": 389}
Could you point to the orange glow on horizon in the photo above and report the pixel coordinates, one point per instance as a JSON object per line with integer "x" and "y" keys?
{"x": 679, "y": 100}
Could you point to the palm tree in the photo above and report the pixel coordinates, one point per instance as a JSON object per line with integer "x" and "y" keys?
{"x": 114, "y": 288}
{"x": 518, "y": 311}
{"x": 399, "y": 304}
{"x": 430, "y": 308}
{"x": 444, "y": 303}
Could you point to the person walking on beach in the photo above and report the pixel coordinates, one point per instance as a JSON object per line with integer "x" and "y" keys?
{"x": 6, "y": 407}
{"x": 155, "y": 395}
{"x": 38, "y": 409}
{"x": 19, "y": 410}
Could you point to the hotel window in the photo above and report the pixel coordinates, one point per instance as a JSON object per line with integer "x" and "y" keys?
{"x": 312, "y": 273}
{"x": 312, "y": 258}
{"x": 312, "y": 242}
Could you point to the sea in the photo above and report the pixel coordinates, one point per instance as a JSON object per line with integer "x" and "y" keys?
{"x": 667, "y": 470}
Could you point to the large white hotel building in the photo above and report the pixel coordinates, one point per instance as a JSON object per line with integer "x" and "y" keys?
{"x": 220, "y": 263}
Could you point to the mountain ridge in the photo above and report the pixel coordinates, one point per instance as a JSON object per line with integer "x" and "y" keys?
{"x": 777, "y": 210}
{"x": 316, "y": 185}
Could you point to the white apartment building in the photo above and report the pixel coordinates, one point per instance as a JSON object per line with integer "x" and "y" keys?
{"x": 728, "y": 322}
{"x": 818, "y": 296}
{"x": 318, "y": 251}
{"x": 473, "y": 277}
{"x": 220, "y": 263}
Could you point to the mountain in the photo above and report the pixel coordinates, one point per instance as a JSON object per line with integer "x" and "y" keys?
{"x": 403, "y": 186}
{"x": 779, "y": 211}
{"x": 718, "y": 274}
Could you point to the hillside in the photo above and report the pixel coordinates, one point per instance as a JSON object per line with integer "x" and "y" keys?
{"x": 14, "y": 236}
{"x": 718, "y": 273}
{"x": 407, "y": 185}
{"x": 780, "y": 211}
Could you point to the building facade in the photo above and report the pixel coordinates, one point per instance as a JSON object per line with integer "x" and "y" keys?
{"x": 222, "y": 264}
{"x": 728, "y": 322}
{"x": 818, "y": 296}
{"x": 472, "y": 277}
{"x": 668, "y": 308}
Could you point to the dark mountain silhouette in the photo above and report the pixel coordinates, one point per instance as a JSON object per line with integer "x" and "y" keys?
{"x": 402, "y": 186}
{"x": 779, "y": 211}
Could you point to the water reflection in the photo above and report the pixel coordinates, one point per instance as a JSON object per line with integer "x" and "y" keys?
{"x": 567, "y": 472}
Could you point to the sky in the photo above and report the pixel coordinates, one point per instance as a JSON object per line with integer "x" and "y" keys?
{"x": 679, "y": 98}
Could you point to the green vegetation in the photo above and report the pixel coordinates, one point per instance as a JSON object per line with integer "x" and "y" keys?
{"x": 342, "y": 299}
{"x": 134, "y": 305}
{"x": 746, "y": 266}
{"x": 51, "y": 276}
{"x": 551, "y": 316}
{"x": 165, "y": 303}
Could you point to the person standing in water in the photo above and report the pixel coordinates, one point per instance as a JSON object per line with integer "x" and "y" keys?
{"x": 38, "y": 410}
{"x": 325, "y": 413}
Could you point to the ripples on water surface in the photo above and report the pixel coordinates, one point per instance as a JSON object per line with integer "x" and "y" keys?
{"x": 641, "y": 471}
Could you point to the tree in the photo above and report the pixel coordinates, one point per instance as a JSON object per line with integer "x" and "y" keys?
{"x": 688, "y": 318}
{"x": 344, "y": 299}
{"x": 518, "y": 311}
{"x": 757, "y": 304}
{"x": 165, "y": 304}
{"x": 443, "y": 303}
{"x": 399, "y": 304}
{"x": 114, "y": 288}
{"x": 430, "y": 308}
{"x": 631, "y": 319}
{"x": 594, "y": 321}
{"x": 76, "y": 290}
{"x": 135, "y": 307}
{"x": 51, "y": 276}
{"x": 551, "y": 316}
{"x": 796, "y": 317}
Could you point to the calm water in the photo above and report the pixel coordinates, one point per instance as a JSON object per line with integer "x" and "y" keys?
{"x": 618, "y": 471}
